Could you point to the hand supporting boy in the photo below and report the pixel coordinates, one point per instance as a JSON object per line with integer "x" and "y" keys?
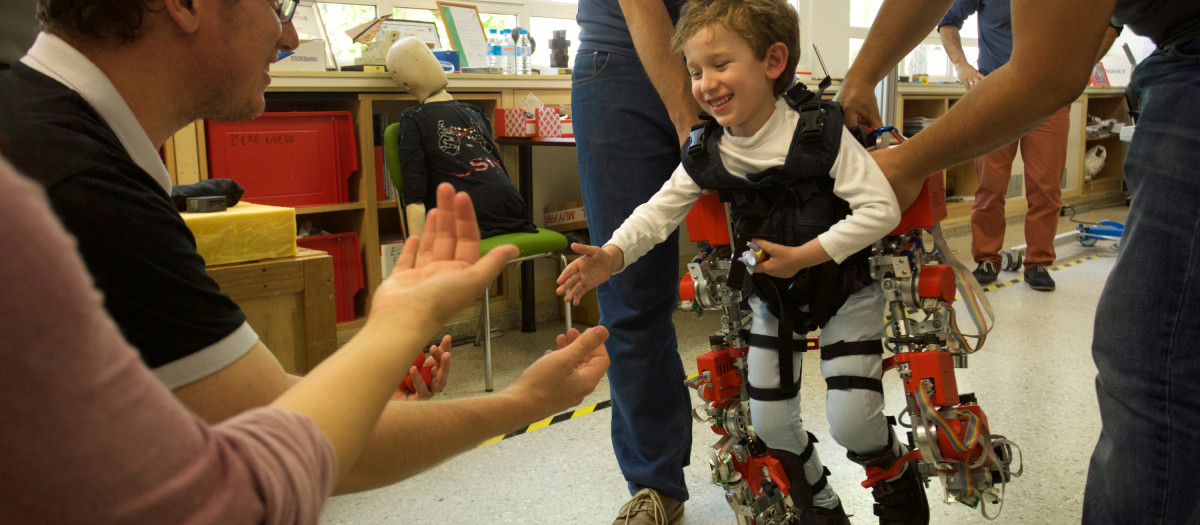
{"x": 597, "y": 265}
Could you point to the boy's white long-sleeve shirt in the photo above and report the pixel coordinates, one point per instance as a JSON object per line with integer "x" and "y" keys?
{"x": 874, "y": 211}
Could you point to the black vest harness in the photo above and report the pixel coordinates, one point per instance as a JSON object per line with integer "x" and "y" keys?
{"x": 789, "y": 204}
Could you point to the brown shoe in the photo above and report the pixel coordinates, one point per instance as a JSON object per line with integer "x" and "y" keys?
{"x": 650, "y": 507}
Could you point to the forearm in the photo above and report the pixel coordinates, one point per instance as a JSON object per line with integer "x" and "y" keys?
{"x": 812, "y": 253}
{"x": 414, "y": 436}
{"x": 651, "y": 29}
{"x": 952, "y": 43}
{"x": 346, "y": 394}
{"x": 898, "y": 28}
{"x": 1009, "y": 103}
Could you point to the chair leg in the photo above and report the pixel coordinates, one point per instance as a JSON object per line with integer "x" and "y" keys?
{"x": 486, "y": 319}
{"x": 479, "y": 327}
{"x": 562, "y": 259}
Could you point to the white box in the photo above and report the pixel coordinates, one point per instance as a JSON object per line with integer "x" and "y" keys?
{"x": 389, "y": 253}
{"x": 309, "y": 56}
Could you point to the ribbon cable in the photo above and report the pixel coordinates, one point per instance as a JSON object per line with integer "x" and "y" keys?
{"x": 977, "y": 304}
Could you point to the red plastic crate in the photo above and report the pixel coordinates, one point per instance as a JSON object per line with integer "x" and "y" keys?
{"x": 706, "y": 221}
{"x": 347, "y": 268}
{"x": 286, "y": 159}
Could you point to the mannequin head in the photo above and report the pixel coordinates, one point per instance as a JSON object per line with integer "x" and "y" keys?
{"x": 416, "y": 70}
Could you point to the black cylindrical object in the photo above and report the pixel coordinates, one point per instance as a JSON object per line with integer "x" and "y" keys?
{"x": 558, "y": 49}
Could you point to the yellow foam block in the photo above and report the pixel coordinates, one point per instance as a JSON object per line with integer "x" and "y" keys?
{"x": 246, "y": 232}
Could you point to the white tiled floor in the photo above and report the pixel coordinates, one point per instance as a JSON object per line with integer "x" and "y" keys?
{"x": 1034, "y": 379}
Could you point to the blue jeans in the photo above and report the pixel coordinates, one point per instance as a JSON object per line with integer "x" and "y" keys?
{"x": 1146, "y": 342}
{"x": 627, "y": 149}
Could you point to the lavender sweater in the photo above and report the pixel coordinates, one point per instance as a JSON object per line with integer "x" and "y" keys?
{"x": 88, "y": 435}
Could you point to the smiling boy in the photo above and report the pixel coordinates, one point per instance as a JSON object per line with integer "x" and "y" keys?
{"x": 806, "y": 192}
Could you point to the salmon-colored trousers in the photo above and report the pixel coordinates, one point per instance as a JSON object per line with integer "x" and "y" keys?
{"x": 1044, "y": 151}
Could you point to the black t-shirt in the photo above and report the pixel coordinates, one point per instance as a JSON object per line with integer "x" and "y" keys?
{"x": 451, "y": 141}
{"x": 136, "y": 246}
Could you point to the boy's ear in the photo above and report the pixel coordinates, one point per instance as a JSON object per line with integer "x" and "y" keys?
{"x": 777, "y": 58}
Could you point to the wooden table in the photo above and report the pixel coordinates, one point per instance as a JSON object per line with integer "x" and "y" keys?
{"x": 289, "y": 302}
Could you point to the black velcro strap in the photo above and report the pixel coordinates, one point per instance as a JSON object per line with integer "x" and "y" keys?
{"x": 769, "y": 394}
{"x": 808, "y": 450}
{"x": 772, "y": 342}
{"x": 786, "y": 347}
{"x": 854, "y": 383}
{"x": 787, "y": 384}
{"x": 820, "y": 483}
{"x": 842, "y": 349}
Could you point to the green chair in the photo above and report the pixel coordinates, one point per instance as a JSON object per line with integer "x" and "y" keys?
{"x": 544, "y": 243}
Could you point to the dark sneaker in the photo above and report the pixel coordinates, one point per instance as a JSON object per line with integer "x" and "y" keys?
{"x": 986, "y": 272}
{"x": 1039, "y": 279}
{"x": 823, "y": 516}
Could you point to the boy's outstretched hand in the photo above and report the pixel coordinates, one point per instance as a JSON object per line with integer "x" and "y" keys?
{"x": 587, "y": 272}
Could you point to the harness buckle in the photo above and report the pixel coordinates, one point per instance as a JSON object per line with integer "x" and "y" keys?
{"x": 811, "y": 121}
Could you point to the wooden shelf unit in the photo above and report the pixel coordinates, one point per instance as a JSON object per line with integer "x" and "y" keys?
{"x": 962, "y": 181}
{"x": 1110, "y": 179}
{"x": 365, "y": 95}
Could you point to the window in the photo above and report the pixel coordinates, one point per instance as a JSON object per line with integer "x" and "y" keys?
{"x": 543, "y": 31}
{"x": 862, "y": 13}
{"x": 498, "y": 21}
{"x": 929, "y": 57}
{"x": 340, "y": 17}
{"x": 540, "y": 17}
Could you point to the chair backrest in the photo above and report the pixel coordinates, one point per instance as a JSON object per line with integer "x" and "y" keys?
{"x": 391, "y": 155}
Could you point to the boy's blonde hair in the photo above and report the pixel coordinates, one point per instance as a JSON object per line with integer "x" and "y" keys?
{"x": 759, "y": 22}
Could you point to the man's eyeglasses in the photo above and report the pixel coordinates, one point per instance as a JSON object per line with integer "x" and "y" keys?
{"x": 285, "y": 9}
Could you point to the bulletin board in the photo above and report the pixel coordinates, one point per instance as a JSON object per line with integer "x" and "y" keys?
{"x": 466, "y": 33}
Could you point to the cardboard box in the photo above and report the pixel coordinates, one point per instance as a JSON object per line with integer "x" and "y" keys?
{"x": 389, "y": 253}
{"x": 566, "y": 217}
{"x": 548, "y": 123}
{"x": 308, "y": 56}
{"x": 511, "y": 122}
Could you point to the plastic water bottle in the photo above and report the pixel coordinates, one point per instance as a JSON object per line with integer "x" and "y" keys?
{"x": 524, "y": 53}
{"x": 494, "y": 48}
{"x": 508, "y": 52}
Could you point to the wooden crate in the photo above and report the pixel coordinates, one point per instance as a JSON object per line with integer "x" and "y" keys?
{"x": 289, "y": 301}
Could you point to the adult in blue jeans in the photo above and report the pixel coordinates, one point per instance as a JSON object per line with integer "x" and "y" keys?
{"x": 1148, "y": 319}
{"x": 632, "y": 108}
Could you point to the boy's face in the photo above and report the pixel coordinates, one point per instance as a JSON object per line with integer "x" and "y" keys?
{"x": 729, "y": 82}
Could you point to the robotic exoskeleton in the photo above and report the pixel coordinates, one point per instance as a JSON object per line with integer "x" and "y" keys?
{"x": 948, "y": 435}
